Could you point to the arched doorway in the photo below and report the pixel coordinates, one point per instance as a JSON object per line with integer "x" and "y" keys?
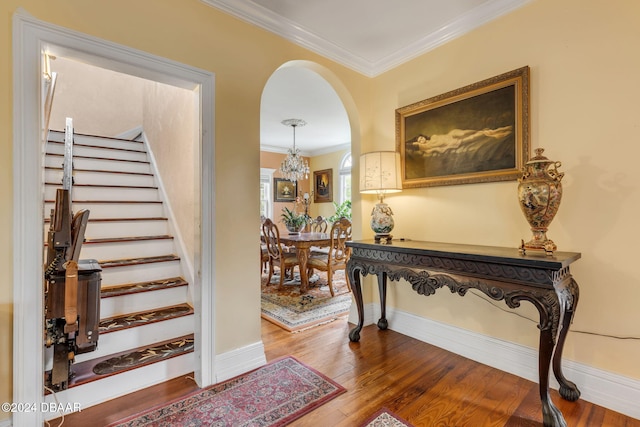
{"x": 307, "y": 91}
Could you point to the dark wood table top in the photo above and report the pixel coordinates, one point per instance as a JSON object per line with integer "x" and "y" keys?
{"x": 493, "y": 254}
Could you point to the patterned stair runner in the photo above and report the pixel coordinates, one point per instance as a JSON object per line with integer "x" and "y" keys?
{"x": 132, "y": 320}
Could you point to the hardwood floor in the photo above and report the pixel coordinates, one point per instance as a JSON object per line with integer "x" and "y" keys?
{"x": 425, "y": 385}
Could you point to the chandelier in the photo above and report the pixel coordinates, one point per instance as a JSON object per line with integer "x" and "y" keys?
{"x": 294, "y": 167}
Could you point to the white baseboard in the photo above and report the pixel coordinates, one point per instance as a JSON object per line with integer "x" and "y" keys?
{"x": 607, "y": 389}
{"x": 6, "y": 423}
{"x": 239, "y": 361}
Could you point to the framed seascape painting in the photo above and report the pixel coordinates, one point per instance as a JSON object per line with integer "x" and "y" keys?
{"x": 284, "y": 190}
{"x": 322, "y": 186}
{"x": 478, "y": 133}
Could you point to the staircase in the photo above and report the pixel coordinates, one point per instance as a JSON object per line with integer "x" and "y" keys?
{"x": 147, "y": 322}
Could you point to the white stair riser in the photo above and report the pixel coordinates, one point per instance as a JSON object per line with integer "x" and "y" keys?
{"x": 100, "y": 141}
{"x": 126, "y": 339}
{"x": 118, "y": 385}
{"x": 131, "y": 249}
{"x": 116, "y": 210}
{"x": 106, "y": 193}
{"x": 101, "y": 164}
{"x": 140, "y": 273}
{"x": 102, "y": 229}
{"x": 103, "y": 153}
{"x": 97, "y": 178}
{"x": 142, "y": 301}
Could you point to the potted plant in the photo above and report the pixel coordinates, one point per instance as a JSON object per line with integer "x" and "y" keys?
{"x": 342, "y": 211}
{"x": 294, "y": 221}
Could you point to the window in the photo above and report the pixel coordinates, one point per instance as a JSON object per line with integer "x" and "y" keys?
{"x": 345, "y": 178}
{"x": 266, "y": 193}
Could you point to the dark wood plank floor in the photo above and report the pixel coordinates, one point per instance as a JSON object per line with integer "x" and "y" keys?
{"x": 423, "y": 384}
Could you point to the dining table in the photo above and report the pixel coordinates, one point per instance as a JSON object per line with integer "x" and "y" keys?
{"x": 303, "y": 242}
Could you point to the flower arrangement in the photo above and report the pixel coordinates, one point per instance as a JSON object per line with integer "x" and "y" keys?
{"x": 293, "y": 220}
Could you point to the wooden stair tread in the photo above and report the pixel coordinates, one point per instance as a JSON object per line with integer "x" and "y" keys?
{"x": 147, "y": 187}
{"x": 134, "y": 288}
{"x": 100, "y": 171}
{"x": 127, "y": 239}
{"x": 137, "y": 261}
{"x": 111, "y": 138}
{"x": 101, "y": 147}
{"x": 153, "y": 218}
{"x": 111, "y": 201}
{"x": 113, "y": 364}
{"x": 142, "y": 318}
{"x": 76, "y": 156}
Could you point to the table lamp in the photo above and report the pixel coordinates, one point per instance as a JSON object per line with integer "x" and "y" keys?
{"x": 380, "y": 174}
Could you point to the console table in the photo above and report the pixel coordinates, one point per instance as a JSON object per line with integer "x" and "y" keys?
{"x": 499, "y": 273}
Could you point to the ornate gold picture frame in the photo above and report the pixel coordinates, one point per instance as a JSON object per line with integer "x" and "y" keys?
{"x": 478, "y": 133}
{"x": 323, "y": 186}
{"x": 284, "y": 190}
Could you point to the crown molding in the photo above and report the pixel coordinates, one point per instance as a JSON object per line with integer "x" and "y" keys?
{"x": 462, "y": 25}
{"x": 264, "y": 18}
{"x": 306, "y": 153}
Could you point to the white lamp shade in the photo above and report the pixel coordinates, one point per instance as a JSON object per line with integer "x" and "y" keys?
{"x": 380, "y": 172}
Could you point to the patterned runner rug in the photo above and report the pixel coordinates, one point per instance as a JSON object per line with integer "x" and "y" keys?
{"x": 294, "y": 312}
{"x": 273, "y": 395}
{"x": 386, "y": 418}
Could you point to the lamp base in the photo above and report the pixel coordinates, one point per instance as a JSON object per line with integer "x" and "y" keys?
{"x": 382, "y": 238}
{"x": 382, "y": 222}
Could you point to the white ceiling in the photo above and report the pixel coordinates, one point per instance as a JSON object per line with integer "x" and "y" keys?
{"x": 368, "y": 36}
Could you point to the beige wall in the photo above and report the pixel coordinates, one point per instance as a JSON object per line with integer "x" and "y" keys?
{"x": 584, "y": 65}
{"x": 193, "y": 33}
{"x": 107, "y": 103}
{"x": 170, "y": 123}
{"x": 88, "y": 94}
{"x": 273, "y": 161}
{"x": 328, "y": 161}
{"x": 316, "y": 163}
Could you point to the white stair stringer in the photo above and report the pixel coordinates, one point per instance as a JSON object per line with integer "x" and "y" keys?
{"x": 114, "y": 179}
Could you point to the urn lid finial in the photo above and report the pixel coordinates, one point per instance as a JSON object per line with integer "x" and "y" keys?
{"x": 539, "y": 155}
{"x": 538, "y": 158}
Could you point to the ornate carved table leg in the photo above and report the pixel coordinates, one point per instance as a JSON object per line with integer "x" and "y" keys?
{"x": 303, "y": 257}
{"x": 356, "y": 289}
{"x": 382, "y": 288}
{"x": 568, "y": 294}
{"x": 551, "y": 416}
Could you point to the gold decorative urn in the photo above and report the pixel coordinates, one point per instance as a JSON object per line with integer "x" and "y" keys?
{"x": 539, "y": 193}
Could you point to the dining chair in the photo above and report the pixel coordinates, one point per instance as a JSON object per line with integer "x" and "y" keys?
{"x": 277, "y": 256}
{"x": 319, "y": 225}
{"x": 265, "y": 259}
{"x": 337, "y": 256}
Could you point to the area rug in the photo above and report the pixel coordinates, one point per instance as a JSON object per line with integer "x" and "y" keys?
{"x": 293, "y": 311}
{"x": 273, "y": 395}
{"x": 386, "y": 418}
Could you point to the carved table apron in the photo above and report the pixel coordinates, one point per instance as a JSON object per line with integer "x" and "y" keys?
{"x": 500, "y": 273}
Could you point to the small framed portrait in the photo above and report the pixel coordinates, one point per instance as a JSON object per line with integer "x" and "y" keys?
{"x": 323, "y": 186}
{"x": 284, "y": 190}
